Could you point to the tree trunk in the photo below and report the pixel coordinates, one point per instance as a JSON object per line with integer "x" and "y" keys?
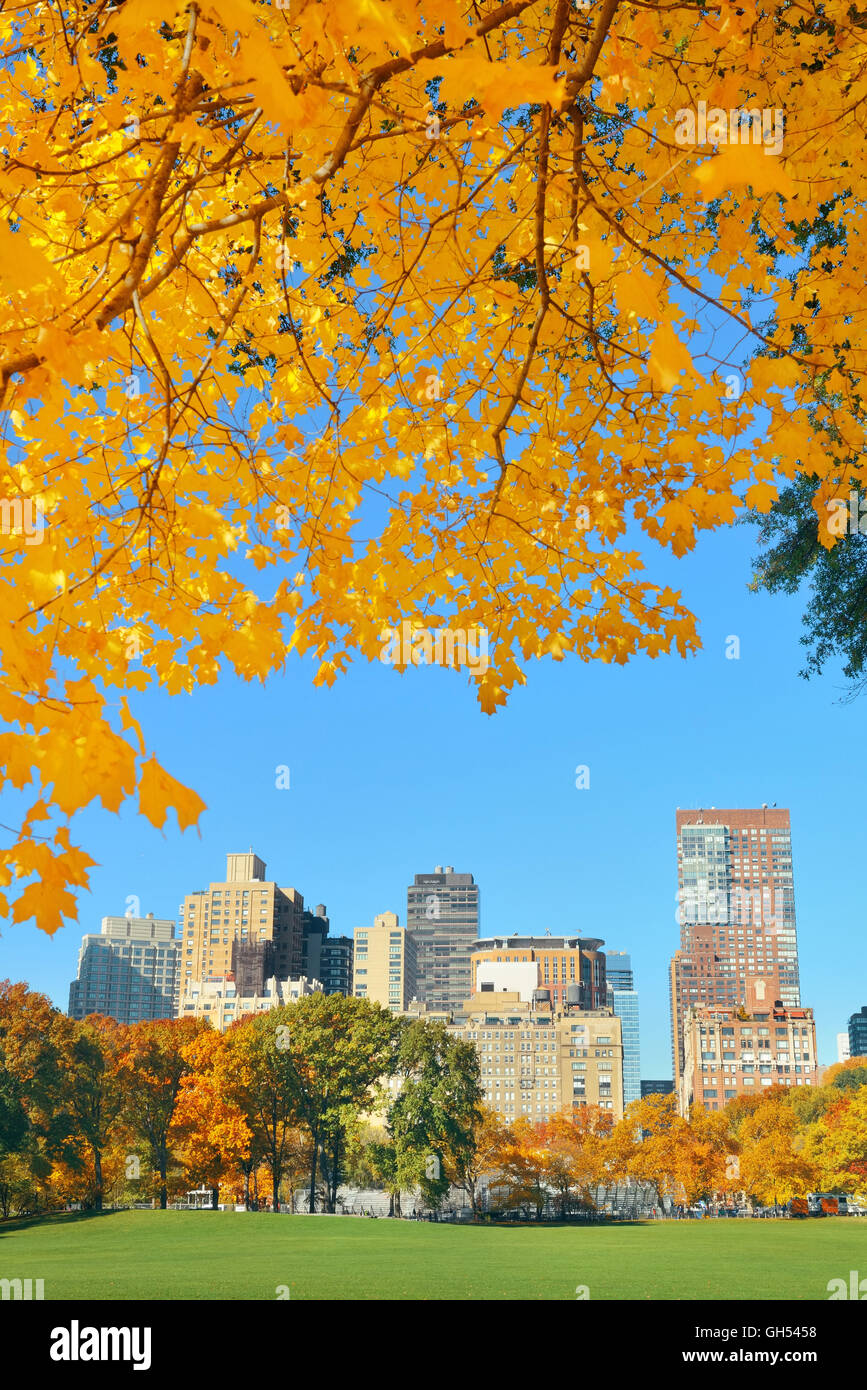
{"x": 164, "y": 1194}
{"x": 247, "y": 1188}
{"x": 97, "y": 1172}
{"x": 215, "y": 1198}
{"x": 313, "y": 1162}
{"x": 335, "y": 1172}
{"x": 397, "y": 1207}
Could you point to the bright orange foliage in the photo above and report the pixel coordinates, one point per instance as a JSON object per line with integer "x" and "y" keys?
{"x": 411, "y": 305}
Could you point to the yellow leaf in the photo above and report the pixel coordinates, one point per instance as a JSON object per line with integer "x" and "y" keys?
{"x": 668, "y": 358}
{"x": 740, "y": 166}
{"x": 157, "y": 791}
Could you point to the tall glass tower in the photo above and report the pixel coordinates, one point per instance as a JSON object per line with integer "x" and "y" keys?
{"x": 623, "y": 999}
{"x": 442, "y": 917}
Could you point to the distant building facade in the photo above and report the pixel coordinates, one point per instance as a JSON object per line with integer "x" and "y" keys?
{"x": 741, "y": 1051}
{"x": 537, "y": 1060}
{"x": 384, "y": 963}
{"x": 222, "y": 1002}
{"x": 247, "y": 909}
{"x": 623, "y": 999}
{"x": 858, "y": 1033}
{"x": 130, "y": 971}
{"x": 335, "y": 970}
{"x": 656, "y": 1088}
{"x": 442, "y": 917}
{"x": 736, "y": 910}
{"x": 843, "y": 1049}
{"x": 570, "y": 968}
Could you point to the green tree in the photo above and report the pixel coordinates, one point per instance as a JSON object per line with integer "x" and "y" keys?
{"x": 91, "y": 1093}
{"x": 313, "y": 1064}
{"x": 436, "y": 1113}
{"x": 792, "y": 554}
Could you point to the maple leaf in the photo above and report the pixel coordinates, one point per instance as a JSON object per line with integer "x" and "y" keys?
{"x": 158, "y": 790}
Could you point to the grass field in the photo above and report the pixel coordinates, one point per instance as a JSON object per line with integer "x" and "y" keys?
{"x": 240, "y": 1255}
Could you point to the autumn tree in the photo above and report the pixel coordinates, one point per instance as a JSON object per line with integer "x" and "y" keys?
{"x": 152, "y": 1067}
{"x": 91, "y": 1096}
{"x": 775, "y": 1165}
{"x": 837, "y": 1143}
{"x": 319, "y": 318}
{"x": 705, "y": 1150}
{"x": 522, "y": 1182}
{"x": 209, "y": 1126}
{"x": 647, "y": 1143}
{"x": 480, "y": 1159}
{"x": 39, "y": 1129}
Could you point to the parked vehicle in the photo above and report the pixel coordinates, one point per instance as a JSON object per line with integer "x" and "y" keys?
{"x": 827, "y": 1204}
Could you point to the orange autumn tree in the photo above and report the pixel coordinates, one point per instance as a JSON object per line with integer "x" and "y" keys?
{"x": 319, "y": 318}
{"x": 578, "y": 1152}
{"x": 152, "y": 1067}
{"x": 209, "y": 1130}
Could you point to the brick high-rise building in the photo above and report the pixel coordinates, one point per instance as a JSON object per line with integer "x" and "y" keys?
{"x": 736, "y": 909}
{"x": 247, "y": 909}
{"x": 442, "y": 916}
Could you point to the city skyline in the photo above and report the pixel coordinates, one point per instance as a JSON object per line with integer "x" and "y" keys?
{"x": 497, "y": 796}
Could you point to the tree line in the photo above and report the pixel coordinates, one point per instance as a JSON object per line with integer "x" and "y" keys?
{"x": 331, "y": 1091}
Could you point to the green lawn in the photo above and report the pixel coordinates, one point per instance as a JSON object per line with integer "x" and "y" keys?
{"x": 238, "y": 1255}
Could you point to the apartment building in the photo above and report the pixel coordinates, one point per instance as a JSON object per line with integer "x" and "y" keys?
{"x": 622, "y": 997}
{"x": 740, "y": 1051}
{"x": 563, "y": 964}
{"x": 536, "y": 1060}
{"x": 222, "y": 1002}
{"x": 220, "y": 925}
{"x": 129, "y": 971}
{"x": 384, "y": 963}
{"x": 857, "y": 1033}
{"x": 442, "y": 916}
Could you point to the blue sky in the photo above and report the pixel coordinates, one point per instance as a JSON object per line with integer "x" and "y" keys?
{"x": 391, "y": 775}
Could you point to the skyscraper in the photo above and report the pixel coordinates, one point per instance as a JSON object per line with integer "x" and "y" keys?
{"x": 245, "y": 923}
{"x": 442, "y": 916}
{"x": 623, "y": 999}
{"x": 129, "y": 972}
{"x": 736, "y": 911}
